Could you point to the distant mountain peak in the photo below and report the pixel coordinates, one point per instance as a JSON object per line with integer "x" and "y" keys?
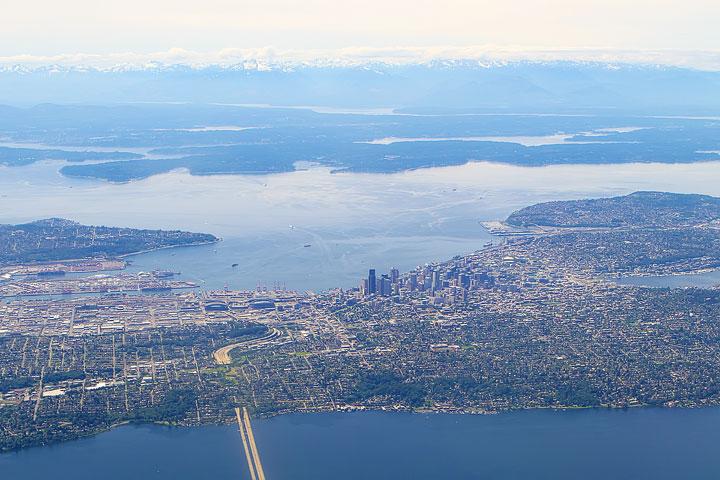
{"x": 370, "y": 82}
{"x": 261, "y": 65}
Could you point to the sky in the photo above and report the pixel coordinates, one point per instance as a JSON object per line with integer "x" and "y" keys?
{"x": 48, "y": 28}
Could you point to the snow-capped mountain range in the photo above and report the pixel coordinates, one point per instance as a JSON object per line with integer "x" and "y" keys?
{"x": 378, "y": 66}
{"x": 471, "y": 83}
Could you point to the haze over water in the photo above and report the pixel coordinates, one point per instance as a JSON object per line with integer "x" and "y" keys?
{"x": 351, "y": 221}
{"x": 219, "y": 86}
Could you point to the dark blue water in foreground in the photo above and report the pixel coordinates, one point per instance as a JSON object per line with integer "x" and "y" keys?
{"x": 580, "y": 444}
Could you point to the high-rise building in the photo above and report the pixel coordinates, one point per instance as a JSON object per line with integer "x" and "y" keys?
{"x": 427, "y": 282}
{"x": 436, "y": 282}
{"x": 372, "y": 282}
{"x": 413, "y": 282}
{"x": 394, "y": 275}
{"x": 385, "y": 286}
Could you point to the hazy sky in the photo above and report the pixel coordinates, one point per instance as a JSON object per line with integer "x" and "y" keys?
{"x": 51, "y": 27}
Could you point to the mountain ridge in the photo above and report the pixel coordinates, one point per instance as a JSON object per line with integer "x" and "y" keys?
{"x": 331, "y": 63}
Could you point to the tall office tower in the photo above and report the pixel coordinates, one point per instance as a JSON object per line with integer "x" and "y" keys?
{"x": 394, "y": 275}
{"x": 436, "y": 283}
{"x": 413, "y": 282}
{"x": 372, "y": 282}
{"x": 427, "y": 283}
{"x": 385, "y": 286}
{"x": 365, "y": 287}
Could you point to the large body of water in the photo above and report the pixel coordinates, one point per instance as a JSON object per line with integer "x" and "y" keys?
{"x": 353, "y": 222}
{"x": 350, "y": 221}
{"x": 558, "y": 445}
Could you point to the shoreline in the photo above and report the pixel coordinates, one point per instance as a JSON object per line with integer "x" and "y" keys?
{"x": 419, "y": 412}
{"x": 700, "y": 271}
{"x": 122, "y": 256}
{"x": 167, "y": 247}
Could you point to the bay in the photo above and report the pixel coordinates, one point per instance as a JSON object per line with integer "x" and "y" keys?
{"x": 350, "y": 221}
{"x": 353, "y": 222}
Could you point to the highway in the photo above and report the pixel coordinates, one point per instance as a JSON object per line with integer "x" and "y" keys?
{"x": 251, "y": 454}
{"x": 222, "y": 355}
{"x": 245, "y": 444}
